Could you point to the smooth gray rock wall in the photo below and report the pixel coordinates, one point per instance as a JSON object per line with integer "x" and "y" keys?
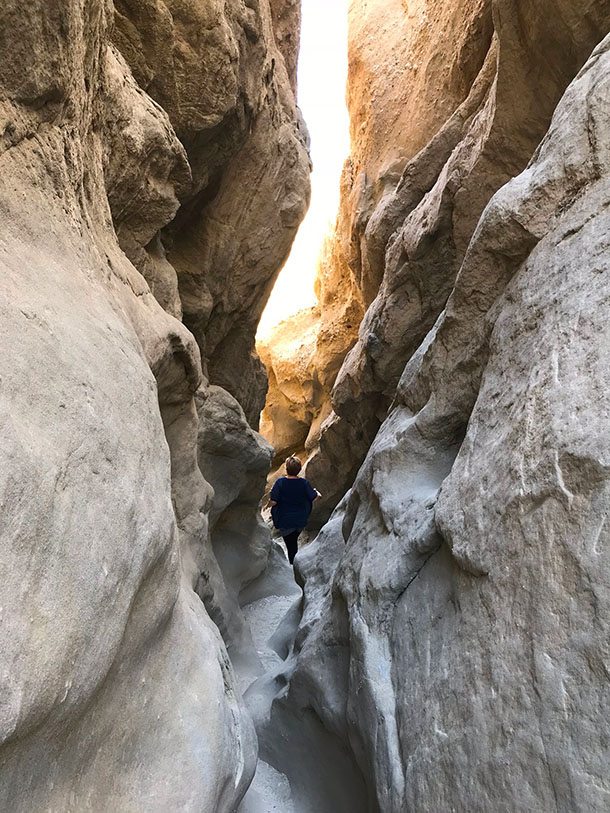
{"x": 116, "y": 689}
{"x": 460, "y": 651}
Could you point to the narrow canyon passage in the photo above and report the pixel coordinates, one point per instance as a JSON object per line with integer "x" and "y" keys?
{"x": 383, "y": 685}
{"x": 289, "y": 745}
{"x": 273, "y": 619}
{"x": 432, "y": 342}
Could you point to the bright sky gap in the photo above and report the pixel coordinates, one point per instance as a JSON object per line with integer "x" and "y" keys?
{"x": 322, "y": 79}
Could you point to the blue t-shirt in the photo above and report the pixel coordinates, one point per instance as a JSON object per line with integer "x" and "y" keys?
{"x": 294, "y": 498}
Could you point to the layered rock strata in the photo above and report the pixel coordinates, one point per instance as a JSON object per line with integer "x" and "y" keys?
{"x": 456, "y": 617}
{"x": 116, "y": 688}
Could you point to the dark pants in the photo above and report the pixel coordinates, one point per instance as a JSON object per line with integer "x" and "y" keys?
{"x": 292, "y": 545}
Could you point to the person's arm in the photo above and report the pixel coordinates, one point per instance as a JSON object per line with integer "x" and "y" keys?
{"x": 312, "y": 492}
{"x": 275, "y": 494}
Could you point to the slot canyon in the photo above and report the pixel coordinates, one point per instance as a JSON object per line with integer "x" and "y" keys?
{"x": 442, "y": 644}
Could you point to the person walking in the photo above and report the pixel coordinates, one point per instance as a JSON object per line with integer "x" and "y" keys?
{"x": 292, "y": 498}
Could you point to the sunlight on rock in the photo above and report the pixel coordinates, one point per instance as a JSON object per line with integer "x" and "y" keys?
{"x": 416, "y": 620}
{"x": 321, "y": 96}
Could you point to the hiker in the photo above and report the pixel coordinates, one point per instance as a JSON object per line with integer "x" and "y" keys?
{"x": 292, "y": 498}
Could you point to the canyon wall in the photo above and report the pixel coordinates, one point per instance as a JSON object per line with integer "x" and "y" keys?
{"x": 453, "y": 648}
{"x": 295, "y": 391}
{"x": 128, "y": 134}
{"x": 447, "y": 101}
{"x": 451, "y": 391}
{"x": 219, "y": 73}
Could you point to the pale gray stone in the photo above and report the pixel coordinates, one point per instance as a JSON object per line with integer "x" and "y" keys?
{"x": 460, "y": 651}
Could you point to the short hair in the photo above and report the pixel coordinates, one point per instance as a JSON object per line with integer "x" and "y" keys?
{"x": 293, "y": 466}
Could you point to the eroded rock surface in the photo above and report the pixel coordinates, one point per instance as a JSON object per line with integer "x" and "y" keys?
{"x": 218, "y": 70}
{"x": 117, "y": 141}
{"x": 452, "y": 644}
{"x": 454, "y": 639}
{"x": 295, "y": 395}
{"x": 448, "y": 101}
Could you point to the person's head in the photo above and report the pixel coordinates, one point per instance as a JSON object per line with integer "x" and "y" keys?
{"x": 293, "y": 466}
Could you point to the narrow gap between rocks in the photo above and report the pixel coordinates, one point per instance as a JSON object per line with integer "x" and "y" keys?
{"x": 287, "y": 333}
{"x": 272, "y": 605}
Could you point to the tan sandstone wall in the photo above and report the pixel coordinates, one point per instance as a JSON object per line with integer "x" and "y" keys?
{"x": 448, "y": 101}
{"x": 408, "y": 71}
{"x": 295, "y": 393}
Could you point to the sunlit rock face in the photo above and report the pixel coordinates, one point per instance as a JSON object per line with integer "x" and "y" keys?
{"x": 116, "y": 690}
{"x": 448, "y": 101}
{"x": 294, "y": 395}
{"x": 457, "y": 605}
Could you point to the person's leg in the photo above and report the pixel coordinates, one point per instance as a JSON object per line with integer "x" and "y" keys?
{"x": 292, "y": 545}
